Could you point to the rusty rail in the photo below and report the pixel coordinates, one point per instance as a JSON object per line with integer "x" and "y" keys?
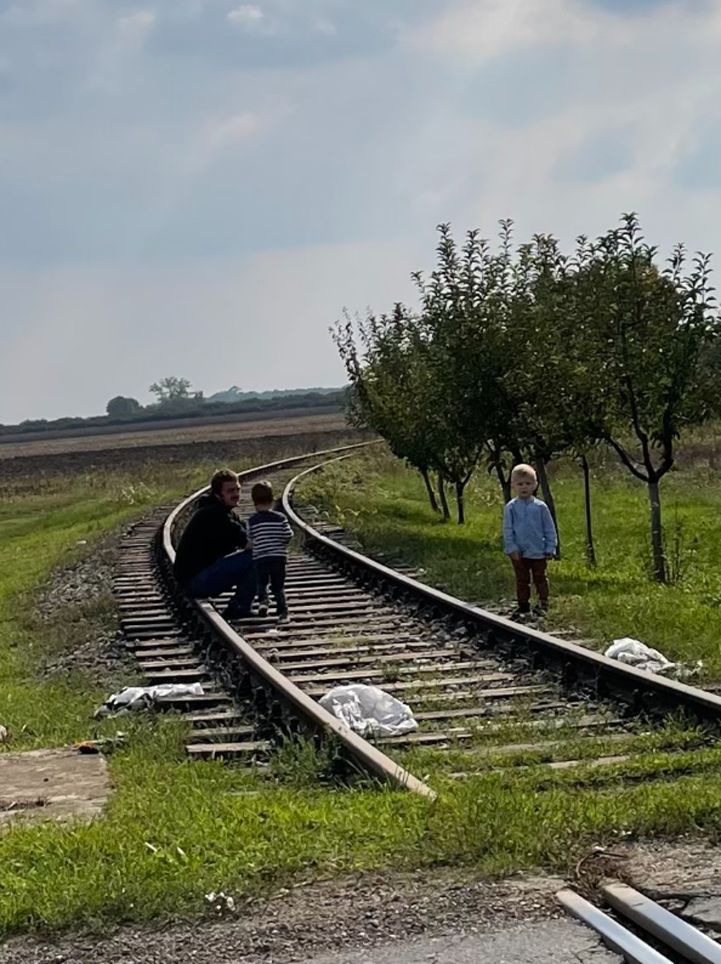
{"x": 367, "y": 756}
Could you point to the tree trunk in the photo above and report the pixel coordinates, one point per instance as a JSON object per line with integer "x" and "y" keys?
{"x": 505, "y": 482}
{"x": 590, "y": 548}
{"x": 442, "y": 496}
{"x": 659, "y": 557}
{"x": 429, "y": 489}
{"x": 548, "y": 498}
{"x": 460, "y": 486}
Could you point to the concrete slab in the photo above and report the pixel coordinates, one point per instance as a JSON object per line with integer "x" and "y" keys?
{"x": 546, "y": 942}
{"x": 57, "y": 784}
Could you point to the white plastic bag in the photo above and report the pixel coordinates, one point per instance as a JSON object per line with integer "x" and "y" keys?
{"x": 143, "y": 697}
{"x": 369, "y": 711}
{"x": 637, "y": 654}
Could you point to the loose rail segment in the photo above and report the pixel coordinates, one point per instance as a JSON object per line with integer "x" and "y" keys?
{"x": 651, "y": 921}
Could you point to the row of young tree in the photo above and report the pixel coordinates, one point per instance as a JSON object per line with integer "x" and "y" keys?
{"x": 524, "y": 353}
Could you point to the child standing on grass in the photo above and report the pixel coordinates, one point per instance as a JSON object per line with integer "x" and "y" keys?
{"x": 270, "y": 533}
{"x": 529, "y": 539}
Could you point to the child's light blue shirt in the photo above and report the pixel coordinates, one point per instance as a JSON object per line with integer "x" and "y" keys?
{"x": 528, "y": 528}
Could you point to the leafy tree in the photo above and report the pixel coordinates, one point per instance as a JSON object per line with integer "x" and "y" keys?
{"x": 122, "y": 407}
{"x": 647, "y": 332}
{"x": 390, "y": 391}
{"x": 171, "y": 389}
{"x": 461, "y": 322}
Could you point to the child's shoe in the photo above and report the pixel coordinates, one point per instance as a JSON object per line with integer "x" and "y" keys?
{"x": 520, "y": 612}
{"x": 284, "y": 619}
{"x": 540, "y": 609}
{"x": 263, "y": 610}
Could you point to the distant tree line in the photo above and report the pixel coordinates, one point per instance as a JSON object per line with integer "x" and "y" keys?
{"x": 174, "y": 399}
{"x": 525, "y": 353}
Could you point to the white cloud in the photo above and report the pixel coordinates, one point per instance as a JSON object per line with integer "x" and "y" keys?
{"x": 324, "y": 26}
{"x": 233, "y": 130}
{"x": 491, "y": 28}
{"x": 210, "y": 139}
{"x": 248, "y": 15}
{"x": 135, "y": 27}
{"x": 479, "y": 30}
{"x": 45, "y": 12}
{"x": 649, "y": 76}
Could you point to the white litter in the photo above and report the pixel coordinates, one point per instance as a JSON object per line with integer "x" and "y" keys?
{"x": 3, "y": 734}
{"x": 220, "y": 902}
{"x": 638, "y": 654}
{"x": 369, "y": 711}
{"x": 134, "y": 698}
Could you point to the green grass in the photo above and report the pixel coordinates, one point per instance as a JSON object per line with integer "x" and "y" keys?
{"x": 384, "y": 505}
{"x": 54, "y": 525}
{"x": 174, "y": 830}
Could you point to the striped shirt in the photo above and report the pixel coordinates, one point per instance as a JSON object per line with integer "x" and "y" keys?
{"x": 271, "y": 533}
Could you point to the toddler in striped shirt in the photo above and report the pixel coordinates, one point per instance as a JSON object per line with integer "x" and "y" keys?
{"x": 270, "y": 533}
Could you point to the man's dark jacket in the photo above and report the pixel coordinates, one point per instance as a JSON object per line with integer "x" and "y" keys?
{"x": 212, "y": 532}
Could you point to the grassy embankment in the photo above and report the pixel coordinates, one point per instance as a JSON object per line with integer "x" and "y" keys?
{"x": 384, "y": 504}
{"x": 174, "y": 831}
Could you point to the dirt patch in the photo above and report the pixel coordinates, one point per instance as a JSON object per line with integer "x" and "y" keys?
{"x": 56, "y": 785}
{"x": 667, "y": 869}
{"x": 366, "y": 910}
{"x": 172, "y": 433}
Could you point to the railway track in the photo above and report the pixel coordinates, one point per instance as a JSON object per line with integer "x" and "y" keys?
{"x": 487, "y": 693}
{"x": 639, "y": 929}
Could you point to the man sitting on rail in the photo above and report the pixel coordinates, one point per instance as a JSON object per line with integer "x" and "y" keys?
{"x": 213, "y": 556}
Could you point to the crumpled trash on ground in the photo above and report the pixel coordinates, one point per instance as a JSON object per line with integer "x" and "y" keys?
{"x": 105, "y": 745}
{"x": 134, "y": 698}
{"x": 369, "y": 710}
{"x": 3, "y": 734}
{"x": 635, "y": 653}
{"x": 220, "y": 902}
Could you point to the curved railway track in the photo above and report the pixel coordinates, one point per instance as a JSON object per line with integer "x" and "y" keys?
{"x": 486, "y": 691}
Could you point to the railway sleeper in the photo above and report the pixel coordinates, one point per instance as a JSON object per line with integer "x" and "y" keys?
{"x": 403, "y": 656}
{"x": 248, "y": 750}
{"x": 441, "y": 682}
{"x": 405, "y": 669}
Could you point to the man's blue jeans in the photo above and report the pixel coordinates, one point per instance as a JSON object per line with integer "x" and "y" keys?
{"x": 233, "y": 571}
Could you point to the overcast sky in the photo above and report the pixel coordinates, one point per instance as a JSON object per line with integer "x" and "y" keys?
{"x": 198, "y": 187}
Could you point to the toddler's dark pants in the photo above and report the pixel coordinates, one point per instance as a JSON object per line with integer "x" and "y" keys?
{"x": 272, "y": 570}
{"x": 525, "y": 569}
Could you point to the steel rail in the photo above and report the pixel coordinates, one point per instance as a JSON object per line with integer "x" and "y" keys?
{"x": 666, "y": 927}
{"x": 363, "y": 752}
{"x": 644, "y": 691}
{"x": 613, "y": 934}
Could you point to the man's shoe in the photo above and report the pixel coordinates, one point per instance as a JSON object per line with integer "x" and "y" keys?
{"x": 263, "y": 610}
{"x": 235, "y": 612}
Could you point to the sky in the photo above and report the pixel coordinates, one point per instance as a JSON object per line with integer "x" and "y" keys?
{"x": 200, "y": 187}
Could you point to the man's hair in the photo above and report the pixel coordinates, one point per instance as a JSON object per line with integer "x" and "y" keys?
{"x": 219, "y": 477}
{"x": 262, "y": 493}
{"x": 525, "y": 471}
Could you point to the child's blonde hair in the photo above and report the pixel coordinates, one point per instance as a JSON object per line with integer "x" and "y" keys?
{"x": 525, "y": 471}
